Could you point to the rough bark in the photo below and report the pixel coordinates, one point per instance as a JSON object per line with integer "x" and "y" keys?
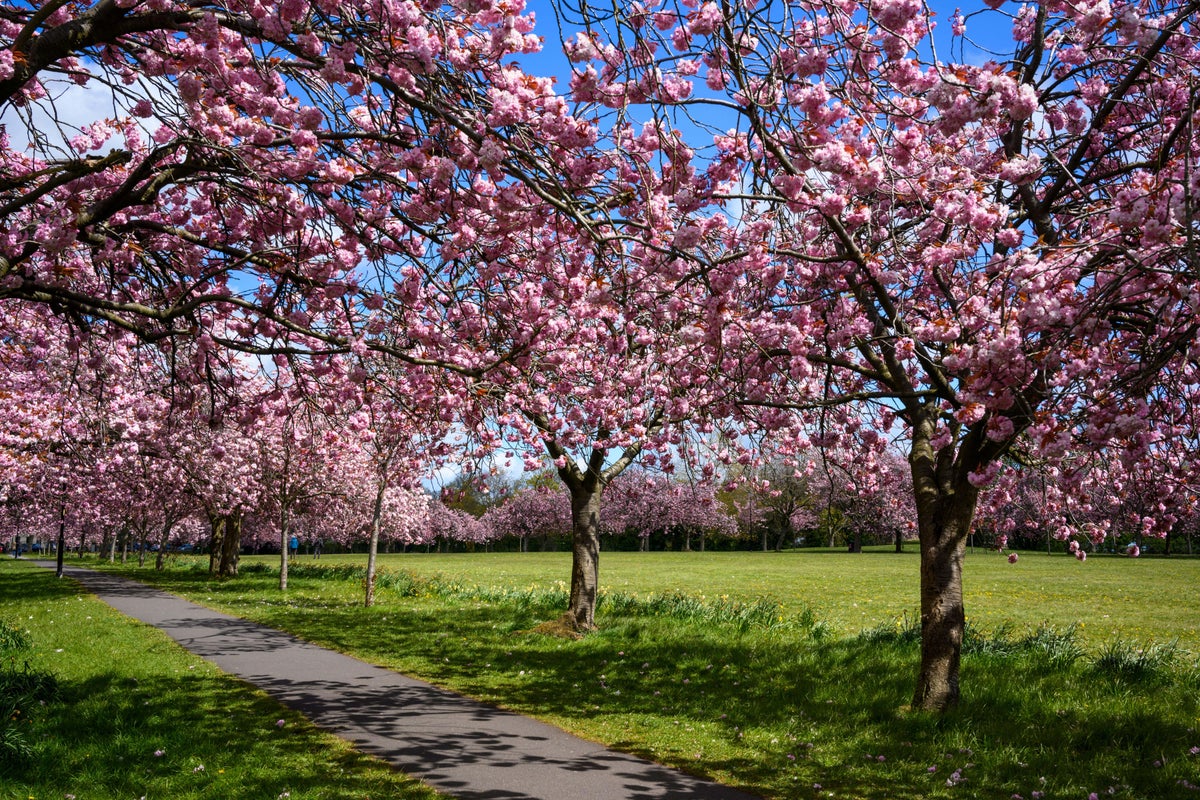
{"x": 945, "y": 502}
{"x": 164, "y": 541}
{"x": 855, "y": 545}
{"x": 231, "y": 546}
{"x": 585, "y": 562}
{"x": 217, "y": 524}
{"x": 61, "y": 542}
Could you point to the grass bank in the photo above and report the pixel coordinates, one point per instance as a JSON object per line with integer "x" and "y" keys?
{"x": 788, "y": 704}
{"x": 137, "y": 717}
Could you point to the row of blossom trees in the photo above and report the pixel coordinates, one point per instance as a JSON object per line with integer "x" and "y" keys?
{"x": 108, "y": 438}
{"x": 114, "y": 443}
{"x": 825, "y": 222}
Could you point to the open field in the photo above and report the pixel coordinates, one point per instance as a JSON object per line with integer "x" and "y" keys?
{"x": 1143, "y": 600}
{"x": 777, "y": 700}
{"x": 136, "y": 716}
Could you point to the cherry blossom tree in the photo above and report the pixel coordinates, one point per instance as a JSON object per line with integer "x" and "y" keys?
{"x": 534, "y": 512}
{"x": 75, "y": 429}
{"x": 994, "y": 257}
{"x": 286, "y": 179}
{"x": 452, "y": 525}
{"x": 397, "y": 443}
{"x": 214, "y": 179}
{"x": 646, "y": 504}
{"x": 794, "y": 216}
{"x": 298, "y": 457}
{"x": 778, "y": 499}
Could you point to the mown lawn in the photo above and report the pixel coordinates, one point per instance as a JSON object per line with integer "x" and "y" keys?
{"x": 1145, "y": 600}
{"x": 802, "y": 694}
{"x": 137, "y": 717}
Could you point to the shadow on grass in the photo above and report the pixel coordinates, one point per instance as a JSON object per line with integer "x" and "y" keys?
{"x": 784, "y": 711}
{"x": 189, "y": 736}
{"x": 775, "y": 713}
{"x": 22, "y": 581}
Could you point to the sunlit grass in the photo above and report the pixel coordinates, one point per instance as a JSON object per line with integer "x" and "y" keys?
{"x": 1052, "y": 703}
{"x": 1147, "y": 599}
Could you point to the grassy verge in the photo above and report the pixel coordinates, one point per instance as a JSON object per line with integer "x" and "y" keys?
{"x": 789, "y": 708}
{"x": 137, "y": 717}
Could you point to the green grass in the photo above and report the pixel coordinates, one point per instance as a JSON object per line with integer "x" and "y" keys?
{"x": 689, "y": 670}
{"x": 1141, "y": 600}
{"x": 136, "y": 716}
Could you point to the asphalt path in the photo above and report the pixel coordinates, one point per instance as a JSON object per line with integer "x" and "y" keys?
{"x": 464, "y": 748}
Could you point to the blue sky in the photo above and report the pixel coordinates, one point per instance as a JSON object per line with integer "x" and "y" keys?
{"x": 986, "y": 29}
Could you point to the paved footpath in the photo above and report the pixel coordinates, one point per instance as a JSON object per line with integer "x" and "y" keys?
{"x": 461, "y": 747}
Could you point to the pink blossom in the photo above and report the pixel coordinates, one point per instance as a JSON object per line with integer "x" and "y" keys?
{"x": 707, "y": 20}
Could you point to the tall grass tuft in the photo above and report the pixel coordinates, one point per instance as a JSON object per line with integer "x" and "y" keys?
{"x": 1124, "y": 662}
{"x": 902, "y": 631}
{"x": 23, "y": 690}
{"x": 1057, "y": 649}
{"x": 12, "y": 639}
{"x": 743, "y": 615}
{"x": 1047, "y": 646}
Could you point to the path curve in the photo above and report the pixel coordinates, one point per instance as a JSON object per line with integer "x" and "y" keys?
{"x": 459, "y": 746}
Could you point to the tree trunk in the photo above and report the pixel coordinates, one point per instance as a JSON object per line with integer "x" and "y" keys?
{"x": 373, "y": 546}
{"x": 215, "y": 542}
{"x": 585, "y": 556}
{"x": 945, "y": 502}
{"x": 164, "y": 541}
{"x": 899, "y": 541}
{"x": 784, "y": 530}
{"x": 764, "y": 538}
{"x": 142, "y": 550}
{"x": 61, "y": 542}
{"x": 231, "y": 546}
{"x": 283, "y": 550}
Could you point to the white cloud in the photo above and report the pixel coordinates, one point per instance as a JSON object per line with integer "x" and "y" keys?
{"x": 44, "y": 127}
